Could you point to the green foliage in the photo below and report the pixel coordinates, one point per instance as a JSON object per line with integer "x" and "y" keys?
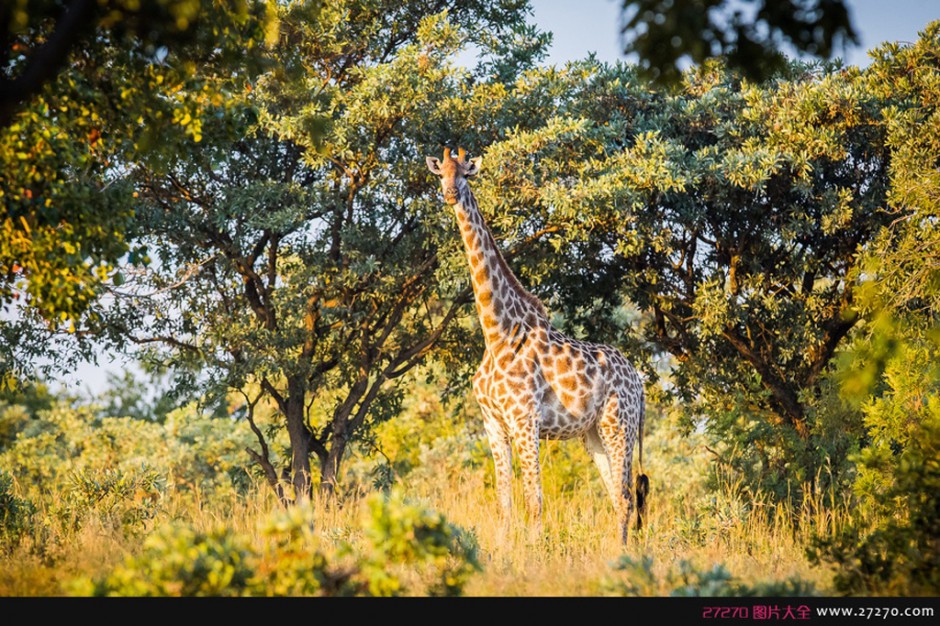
{"x": 290, "y": 563}
{"x": 179, "y": 561}
{"x": 891, "y": 372}
{"x": 638, "y": 578}
{"x": 403, "y": 533}
{"x": 16, "y": 514}
{"x": 905, "y": 260}
{"x": 116, "y": 468}
{"x": 432, "y": 436}
{"x": 64, "y": 213}
{"x": 663, "y": 33}
{"x": 123, "y": 499}
{"x": 893, "y": 549}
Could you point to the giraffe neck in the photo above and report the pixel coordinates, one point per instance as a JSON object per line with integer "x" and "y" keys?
{"x": 505, "y": 308}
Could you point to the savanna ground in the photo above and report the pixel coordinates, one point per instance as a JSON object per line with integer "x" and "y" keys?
{"x": 99, "y": 491}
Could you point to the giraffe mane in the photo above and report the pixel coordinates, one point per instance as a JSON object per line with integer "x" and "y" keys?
{"x": 527, "y": 296}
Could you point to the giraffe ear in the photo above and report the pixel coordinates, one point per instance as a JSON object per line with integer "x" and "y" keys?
{"x": 473, "y": 167}
{"x": 434, "y": 165}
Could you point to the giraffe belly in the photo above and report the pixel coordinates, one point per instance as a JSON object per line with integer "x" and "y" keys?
{"x": 566, "y": 416}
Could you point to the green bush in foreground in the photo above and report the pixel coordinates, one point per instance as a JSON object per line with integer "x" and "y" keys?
{"x": 403, "y": 542}
{"x": 900, "y": 555}
{"x": 636, "y": 578}
{"x": 180, "y": 561}
{"x": 402, "y": 533}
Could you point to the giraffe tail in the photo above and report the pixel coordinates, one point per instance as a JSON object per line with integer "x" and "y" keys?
{"x": 642, "y": 480}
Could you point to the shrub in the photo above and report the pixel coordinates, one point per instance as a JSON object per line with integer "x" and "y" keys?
{"x": 121, "y": 498}
{"x": 900, "y": 553}
{"x": 636, "y": 578}
{"x": 290, "y": 565}
{"x": 179, "y": 561}
{"x": 400, "y": 533}
{"x": 15, "y": 514}
{"x": 402, "y": 542}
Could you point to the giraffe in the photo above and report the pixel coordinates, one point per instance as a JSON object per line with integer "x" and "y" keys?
{"x": 534, "y": 382}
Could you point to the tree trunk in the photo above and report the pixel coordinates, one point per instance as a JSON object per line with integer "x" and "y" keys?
{"x": 299, "y": 437}
{"x": 329, "y": 467}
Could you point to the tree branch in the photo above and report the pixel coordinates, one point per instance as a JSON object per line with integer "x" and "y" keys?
{"x": 263, "y": 458}
{"x": 167, "y": 340}
{"x": 46, "y": 60}
{"x": 281, "y": 403}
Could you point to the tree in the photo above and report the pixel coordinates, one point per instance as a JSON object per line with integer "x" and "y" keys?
{"x": 84, "y": 86}
{"x": 890, "y": 372}
{"x": 750, "y": 35}
{"x": 735, "y": 215}
{"x": 300, "y": 250}
{"x": 38, "y": 37}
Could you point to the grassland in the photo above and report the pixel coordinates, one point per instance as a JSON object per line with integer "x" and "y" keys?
{"x": 703, "y": 525}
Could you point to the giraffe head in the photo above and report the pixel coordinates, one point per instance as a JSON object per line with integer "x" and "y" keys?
{"x": 454, "y": 172}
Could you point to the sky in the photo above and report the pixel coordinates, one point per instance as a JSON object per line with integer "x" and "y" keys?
{"x": 584, "y": 26}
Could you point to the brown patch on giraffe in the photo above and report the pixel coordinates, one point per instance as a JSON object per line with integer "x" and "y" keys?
{"x": 568, "y": 383}
{"x": 515, "y": 385}
{"x": 504, "y": 360}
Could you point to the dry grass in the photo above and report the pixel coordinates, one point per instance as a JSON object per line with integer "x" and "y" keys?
{"x": 754, "y": 540}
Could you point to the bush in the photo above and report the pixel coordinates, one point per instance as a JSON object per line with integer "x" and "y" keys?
{"x": 900, "y": 553}
{"x": 400, "y": 533}
{"x": 121, "y": 498}
{"x": 290, "y": 565}
{"x": 179, "y": 561}
{"x": 403, "y": 542}
{"x": 636, "y": 578}
{"x": 15, "y": 514}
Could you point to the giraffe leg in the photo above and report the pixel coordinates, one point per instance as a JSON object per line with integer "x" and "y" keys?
{"x": 595, "y": 448}
{"x": 527, "y": 449}
{"x": 502, "y": 463}
{"x": 619, "y": 449}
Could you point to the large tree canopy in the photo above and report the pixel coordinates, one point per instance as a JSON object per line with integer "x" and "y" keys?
{"x": 751, "y": 36}
{"x": 297, "y": 248}
{"x": 84, "y": 87}
{"x": 270, "y": 229}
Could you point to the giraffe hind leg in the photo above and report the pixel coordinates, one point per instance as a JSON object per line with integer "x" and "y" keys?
{"x": 614, "y": 437}
{"x": 595, "y": 448}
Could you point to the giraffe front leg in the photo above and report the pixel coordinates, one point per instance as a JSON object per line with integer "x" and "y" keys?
{"x": 527, "y": 448}
{"x": 502, "y": 464}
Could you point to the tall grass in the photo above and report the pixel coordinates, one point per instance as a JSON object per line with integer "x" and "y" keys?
{"x": 701, "y": 515}
{"x": 572, "y": 556}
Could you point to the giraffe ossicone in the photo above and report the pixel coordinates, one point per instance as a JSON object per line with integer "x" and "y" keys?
{"x": 534, "y": 382}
